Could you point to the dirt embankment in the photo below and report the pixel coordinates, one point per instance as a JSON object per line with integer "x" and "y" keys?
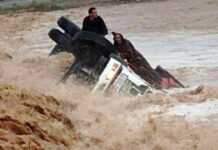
{"x": 29, "y": 120}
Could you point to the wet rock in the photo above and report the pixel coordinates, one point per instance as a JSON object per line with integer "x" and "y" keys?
{"x": 5, "y": 56}
{"x": 198, "y": 90}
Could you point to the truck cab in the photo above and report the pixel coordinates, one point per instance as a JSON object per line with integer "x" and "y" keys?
{"x": 119, "y": 78}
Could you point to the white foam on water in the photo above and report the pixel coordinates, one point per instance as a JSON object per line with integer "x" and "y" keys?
{"x": 205, "y": 111}
{"x": 195, "y": 111}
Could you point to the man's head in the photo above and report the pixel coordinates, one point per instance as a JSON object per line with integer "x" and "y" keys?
{"x": 92, "y": 12}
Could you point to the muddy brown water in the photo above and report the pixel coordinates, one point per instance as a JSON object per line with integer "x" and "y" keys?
{"x": 175, "y": 119}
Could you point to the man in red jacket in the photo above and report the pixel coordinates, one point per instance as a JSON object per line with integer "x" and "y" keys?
{"x": 158, "y": 77}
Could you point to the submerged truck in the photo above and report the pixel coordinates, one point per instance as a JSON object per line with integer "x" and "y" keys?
{"x": 96, "y": 60}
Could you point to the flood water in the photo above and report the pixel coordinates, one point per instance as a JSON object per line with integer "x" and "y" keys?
{"x": 194, "y": 51}
{"x": 140, "y": 122}
{"x": 179, "y": 49}
{"x": 190, "y": 56}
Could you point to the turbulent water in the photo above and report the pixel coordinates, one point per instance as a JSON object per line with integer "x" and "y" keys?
{"x": 163, "y": 120}
{"x": 132, "y": 122}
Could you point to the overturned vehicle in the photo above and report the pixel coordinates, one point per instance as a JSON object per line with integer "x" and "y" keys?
{"x": 96, "y": 60}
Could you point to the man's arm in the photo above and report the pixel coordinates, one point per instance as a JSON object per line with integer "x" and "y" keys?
{"x": 104, "y": 30}
{"x": 130, "y": 47}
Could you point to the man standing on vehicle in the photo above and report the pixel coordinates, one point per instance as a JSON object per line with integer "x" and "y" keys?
{"x": 94, "y": 23}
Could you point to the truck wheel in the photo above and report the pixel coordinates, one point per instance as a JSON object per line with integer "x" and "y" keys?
{"x": 59, "y": 37}
{"x": 68, "y": 26}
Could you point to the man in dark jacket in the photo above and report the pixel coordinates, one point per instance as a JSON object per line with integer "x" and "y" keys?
{"x": 94, "y": 23}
